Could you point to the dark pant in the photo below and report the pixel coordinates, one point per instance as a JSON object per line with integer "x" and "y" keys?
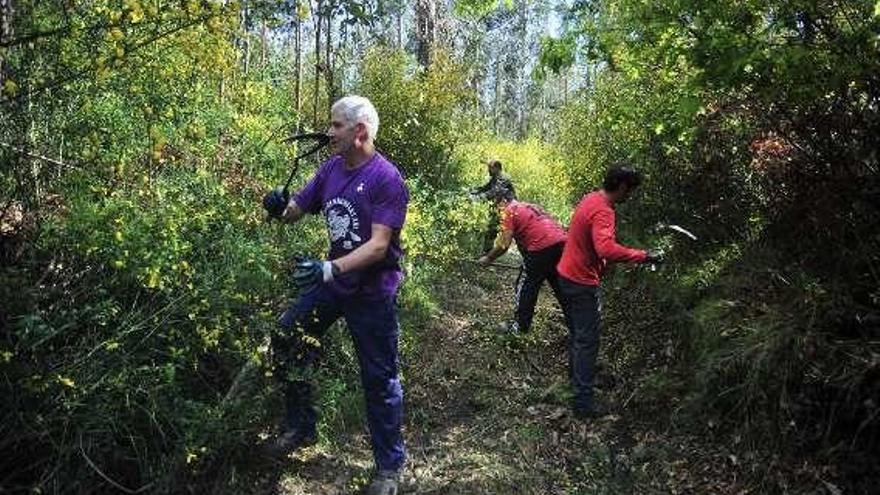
{"x": 374, "y": 330}
{"x": 538, "y": 266}
{"x": 582, "y": 308}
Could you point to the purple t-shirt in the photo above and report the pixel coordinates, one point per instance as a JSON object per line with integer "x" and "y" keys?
{"x": 351, "y": 201}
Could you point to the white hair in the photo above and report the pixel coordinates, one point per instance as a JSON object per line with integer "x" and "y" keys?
{"x": 358, "y": 110}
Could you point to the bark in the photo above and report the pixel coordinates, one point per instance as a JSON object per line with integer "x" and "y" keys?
{"x": 246, "y": 38}
{"x": 425, "y": 30}
{"x": 317, "y": 17}
{"x": 263, "y": 47}
{"x": 298, "y": 81}
{"x": 328, "y": 60}
{"x": 6, "y": 13}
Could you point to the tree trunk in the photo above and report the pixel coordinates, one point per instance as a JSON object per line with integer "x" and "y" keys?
{"x": 317, "y": 16}
{"x": 6, "y": 12}
{"x": 400, "y": 28}
{"x": 298, "y": 84}
{"x": 565, "y": 87}
{"x": 246, "y": 42}
{"x": 34, "y": 165}
{"x": 425, "y": 33}
{"x": 328, "y": 60}
{"x": 496, "y": 102}
{"x": 263, "y": 46}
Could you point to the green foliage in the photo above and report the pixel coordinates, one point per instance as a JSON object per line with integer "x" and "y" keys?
{"x": 556, "y": 55}
{"x": 149, "y": 277}
{"x": 139, "y": 278}
{"x": 539, "y": 174}
{"x": 478, "y": 8}
{"x": 733, "y": 110}
{"x": 422, "y": 114}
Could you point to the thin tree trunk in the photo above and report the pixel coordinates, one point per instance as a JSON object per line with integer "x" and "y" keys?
{"x": 34, "y": 165}
{"x": 6, "y": 12}
{"x": 496, "y": 102}
{"x": 246, "y": 41}
{"x": 263, "y": 43}
{"x": 317, "y": 15}
{"x": 328, "y": 61}
{"x": 400, "y": 28}
{"x": 565, "y": 87}
{"x": 298, "y": 86}
{"x": 425, "y": 13}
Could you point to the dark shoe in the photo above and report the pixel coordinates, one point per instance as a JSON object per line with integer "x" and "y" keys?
{"x": 384, "y": 483}
{"x": 589, "y": 413}
{"x": 291, "y": 440}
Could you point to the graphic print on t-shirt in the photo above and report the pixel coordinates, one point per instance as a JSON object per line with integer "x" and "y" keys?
{"x": 342, "y": 222}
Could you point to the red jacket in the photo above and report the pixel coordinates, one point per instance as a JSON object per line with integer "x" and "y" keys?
{"x": 591, "y": 242}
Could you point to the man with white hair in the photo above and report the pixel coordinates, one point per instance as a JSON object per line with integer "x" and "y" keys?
{"x": 363, "y": 199}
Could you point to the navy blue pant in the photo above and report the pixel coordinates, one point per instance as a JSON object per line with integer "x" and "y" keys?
{"x": 582, "y": 308}
{"x": 374, "y": 330}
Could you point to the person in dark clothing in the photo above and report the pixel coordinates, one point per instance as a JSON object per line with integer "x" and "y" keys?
{"x": 540, "y": 239}
{"x": 590, "y": 247}
{"x": 500, "y": 184}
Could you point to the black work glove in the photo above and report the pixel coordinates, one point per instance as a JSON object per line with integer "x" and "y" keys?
{"x": 310, "y": 273}
{"x": 275, "y": 202}
{"x": 655, "y": 256}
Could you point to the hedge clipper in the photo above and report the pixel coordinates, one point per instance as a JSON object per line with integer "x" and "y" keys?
{"x": 321, "y": 139}
{"x": 677, "y": 229}
{"x": 283, "y": 193}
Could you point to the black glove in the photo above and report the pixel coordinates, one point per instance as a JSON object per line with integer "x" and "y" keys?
{"x": 310, "y": 273}
{"x": 655, "y": 256}
{"x": 275, "y": 202}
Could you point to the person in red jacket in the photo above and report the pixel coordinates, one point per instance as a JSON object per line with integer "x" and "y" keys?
{"x": 540, "y": 238}
{"x": 590, "y": 247}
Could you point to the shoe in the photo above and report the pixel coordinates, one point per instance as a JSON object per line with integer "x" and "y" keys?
{"x": 589, "y": 413}
{"x": 384, "y": 483}
{"x": 291, "y": 440}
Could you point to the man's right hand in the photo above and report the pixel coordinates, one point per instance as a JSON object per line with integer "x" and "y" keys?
{"x": 275, "y": 202}
{"x": 310, "y": 273}
{"x": 655, "y": 256}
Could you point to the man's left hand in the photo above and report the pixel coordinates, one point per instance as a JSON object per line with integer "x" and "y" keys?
{"x": 309, "y": 273}
{"x": 275, "y": 202}
{"x": 484, "y": 261}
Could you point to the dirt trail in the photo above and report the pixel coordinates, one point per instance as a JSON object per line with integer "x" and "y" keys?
{"x": 486, "y": 414}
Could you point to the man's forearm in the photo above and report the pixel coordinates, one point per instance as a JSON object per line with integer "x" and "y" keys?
{"x": 369, "y": 253}
{"x": 292, "y": 213}
{"x": 496, "y": 252}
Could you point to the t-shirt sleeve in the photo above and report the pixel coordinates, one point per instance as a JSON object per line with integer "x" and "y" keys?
{"x": 309, "y": 197}
{"x": 508, "y": 218}
{"x": 604, "y": 240}
{"x": 389, "y": 202}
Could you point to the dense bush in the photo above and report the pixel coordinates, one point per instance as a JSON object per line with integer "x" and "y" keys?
{"x": 140, "y": 287}
{"x": 756, "y": 127}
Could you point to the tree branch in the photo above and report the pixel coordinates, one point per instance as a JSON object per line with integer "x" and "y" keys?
{"x": 22, "y": 151}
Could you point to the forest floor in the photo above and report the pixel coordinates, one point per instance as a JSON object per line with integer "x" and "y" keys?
{"x": 487, "y": 413}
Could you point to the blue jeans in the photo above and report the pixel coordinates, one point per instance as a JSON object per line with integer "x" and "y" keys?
{"x": 374, "y": 330}
{"x": 582, "y": 308}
